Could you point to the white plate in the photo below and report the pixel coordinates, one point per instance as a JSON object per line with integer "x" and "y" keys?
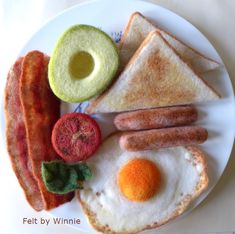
{"x": 112, "y": 16}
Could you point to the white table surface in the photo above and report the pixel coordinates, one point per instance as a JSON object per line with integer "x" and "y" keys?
{"x": 20, "y": 18}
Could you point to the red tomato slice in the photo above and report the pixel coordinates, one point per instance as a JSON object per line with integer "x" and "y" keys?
{"x": 76, "y": 137}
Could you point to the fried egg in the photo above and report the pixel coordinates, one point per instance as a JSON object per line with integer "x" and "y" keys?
{"x": 134, "y": 191}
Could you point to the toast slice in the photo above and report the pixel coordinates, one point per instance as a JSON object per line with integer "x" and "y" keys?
{"x": 137, "y": 30}
{"x": 156, "y": 76}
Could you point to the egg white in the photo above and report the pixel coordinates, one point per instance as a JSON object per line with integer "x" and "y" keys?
{"x": 180, "y": 178}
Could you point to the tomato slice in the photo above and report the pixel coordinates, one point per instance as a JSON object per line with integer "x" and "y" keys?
{"x": 76, "y": 137}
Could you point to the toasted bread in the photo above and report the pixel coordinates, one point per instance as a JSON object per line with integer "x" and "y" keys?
{"x": 137, "y": 30}
{"x": 156, "y": 76}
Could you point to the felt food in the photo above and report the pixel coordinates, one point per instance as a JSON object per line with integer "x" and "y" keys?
{"x": 31, "y": 109}
{"x": 62, "y": 178}
{"x": 138, "y": 28}
{"x": 76, "y": 136}
{"x": 16, "y": 137}
{"x": 83, "y": 63}
{"x": 133, "y": 191}
{"x": 139, "y": 179}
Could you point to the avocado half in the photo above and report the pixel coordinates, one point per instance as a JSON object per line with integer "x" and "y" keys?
{"x": 83, "y": 63}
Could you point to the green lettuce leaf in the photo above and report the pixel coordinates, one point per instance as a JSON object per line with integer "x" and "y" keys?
{"x": 62, "y": 178}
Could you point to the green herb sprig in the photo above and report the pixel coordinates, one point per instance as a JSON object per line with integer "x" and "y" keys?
{"x": 62, "y": 178}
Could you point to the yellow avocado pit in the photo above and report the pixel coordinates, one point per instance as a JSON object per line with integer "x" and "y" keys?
{"x": 81, "y": 65}
{"x": 139, "y": 179}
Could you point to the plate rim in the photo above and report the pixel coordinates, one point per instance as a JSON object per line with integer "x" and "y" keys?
{"x": 88, "y": 2}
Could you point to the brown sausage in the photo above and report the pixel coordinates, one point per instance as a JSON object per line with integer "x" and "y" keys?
{"x": 162, "y": 138}
{"x": 156, "y": 118}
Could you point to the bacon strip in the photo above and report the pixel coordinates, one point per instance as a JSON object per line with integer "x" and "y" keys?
{"x": 16, "y": 138}
{"x": 41, "y": 110}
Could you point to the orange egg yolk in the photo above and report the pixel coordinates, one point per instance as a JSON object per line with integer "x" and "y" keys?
{"x": 139, "y": 179}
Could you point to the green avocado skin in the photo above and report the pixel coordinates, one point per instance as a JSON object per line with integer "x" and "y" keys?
{"x": 105, "y": 54}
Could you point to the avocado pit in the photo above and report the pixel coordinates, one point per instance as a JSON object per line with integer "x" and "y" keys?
{"x": 81, "y": 65}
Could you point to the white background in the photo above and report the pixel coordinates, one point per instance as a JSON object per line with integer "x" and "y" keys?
{"x": 20, "y": 18}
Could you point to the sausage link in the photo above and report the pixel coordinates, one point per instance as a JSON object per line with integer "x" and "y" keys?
{"x": 156, "y": 118}
{"x": 162, "y": 138}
